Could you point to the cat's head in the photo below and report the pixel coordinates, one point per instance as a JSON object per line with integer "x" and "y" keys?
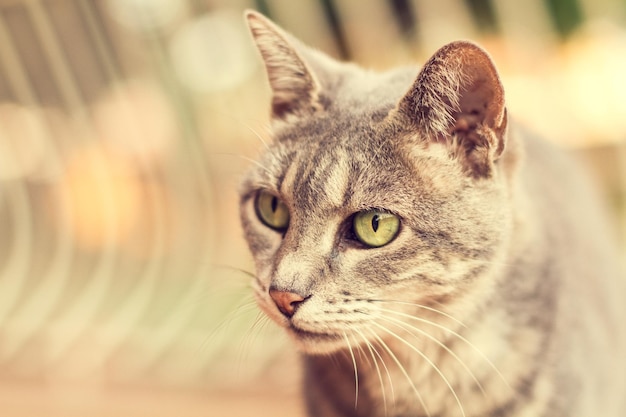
{"x": 379, "y": 192}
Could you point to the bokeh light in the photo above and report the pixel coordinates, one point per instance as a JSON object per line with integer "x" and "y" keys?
{"x": 201, "y": 59}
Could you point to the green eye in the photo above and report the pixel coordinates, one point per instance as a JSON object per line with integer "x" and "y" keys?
{"x": 375, "y": 228}
{"x": 272, "y": 211}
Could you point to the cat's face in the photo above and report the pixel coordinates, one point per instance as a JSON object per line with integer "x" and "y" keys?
{"x": 357, "y": 214}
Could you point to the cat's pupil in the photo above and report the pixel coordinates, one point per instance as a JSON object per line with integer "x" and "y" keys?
{"x": 375, "y": 220}
{"x": 274, "y": 204}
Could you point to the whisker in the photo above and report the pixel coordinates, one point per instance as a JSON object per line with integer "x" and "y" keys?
{"x": 245, "y": 158}
{"x": 424, "y": 307}
{"x": 260, "y": 319}
{"x": 236, "y": 313}
{"x": 402, "y": 370}
{"x": 382, "y": 361}
{"x": 380, "y": 377}
{"x": 259, "y": 137}
{"x": 356, "y": 373}
{"x": 235, "y": 269}
{"x": 265, "y": 321}
{"x": 247, "y": 339}
{"x": 409, "y": 327}
{"x": 362, "y": 354}
{"x": 267, "y": 127}
{"x": 457, "y": 335}
{"x": 227, "y": 287}
{"x": 428, "y": 360}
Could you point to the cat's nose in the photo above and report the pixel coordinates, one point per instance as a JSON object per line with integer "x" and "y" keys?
{"x": 287, "y": 302}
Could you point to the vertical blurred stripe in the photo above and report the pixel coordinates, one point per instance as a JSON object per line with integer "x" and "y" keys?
{"x": 442, "y": 21}
{"x": 17, "y": 76}
{"x": 603, "y": 9}
{"x": 101, "y": 46}
{"x": 525, "y": 27}
{"x": 56, "y": 59}
{"x": 482, "y": 12}
{"x": 372, "y": 36}
{"x": 307, "y": 18}
{"x": 566, "y": 15}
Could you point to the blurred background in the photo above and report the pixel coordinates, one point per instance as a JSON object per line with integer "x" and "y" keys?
{"x": 124, "y": 128}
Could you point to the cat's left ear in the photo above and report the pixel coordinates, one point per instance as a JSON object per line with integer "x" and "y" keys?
{"x": 458, "y": 99}
{"x": 295, "y": 90}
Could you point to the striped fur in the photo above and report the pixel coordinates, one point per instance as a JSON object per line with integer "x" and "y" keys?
{"x": 500, "y": 296}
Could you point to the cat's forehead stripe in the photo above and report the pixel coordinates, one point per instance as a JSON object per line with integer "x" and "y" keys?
{"x": 321, "y": 176}
{"x": 288, "y": 178}
{"x": 336, "y": 180}
{"x": 335, "y": 177}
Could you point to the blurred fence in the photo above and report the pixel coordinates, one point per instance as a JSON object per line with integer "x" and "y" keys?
{"x": 124, "y": 125}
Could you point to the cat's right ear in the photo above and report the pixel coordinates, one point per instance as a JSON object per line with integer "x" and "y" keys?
{"x": 295, "y": 90}
{"x": 458, "y": 99}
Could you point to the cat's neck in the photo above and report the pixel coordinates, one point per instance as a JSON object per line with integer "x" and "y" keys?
{"x": 436, "y": 372}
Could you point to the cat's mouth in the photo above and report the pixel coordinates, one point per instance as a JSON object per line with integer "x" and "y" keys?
{"x": 316, "y": 343}
{"x": 310, "y": 335}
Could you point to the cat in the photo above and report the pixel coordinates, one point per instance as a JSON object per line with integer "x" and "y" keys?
{"x": 426, "y": 255}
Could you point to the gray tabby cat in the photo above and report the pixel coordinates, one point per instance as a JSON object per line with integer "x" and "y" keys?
{"x": 427, "y": 257}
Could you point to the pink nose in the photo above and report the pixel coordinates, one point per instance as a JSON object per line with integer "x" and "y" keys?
{"x": 287, "y": 302}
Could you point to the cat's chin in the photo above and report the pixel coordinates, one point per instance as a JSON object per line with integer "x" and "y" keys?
{"x": 316, "y": 343}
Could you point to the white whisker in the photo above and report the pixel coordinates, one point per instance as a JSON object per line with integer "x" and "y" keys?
{"x": 409, "y": 327}
{"x": 247, "y": 339}
{"x": 457, "y": 335}
{"x": 391, "y": 388}
{"x": 362, "y": 354}
{"x": 259, "y": 137}
{"x": 268, "y": 128}
{"x": 234, "y": 269}
{"x": 403, "y": 370}
{"x": 428, "y": 360}
{"x": 380, "y": 377}
{"x": 245, "y": 158}
{"x": 356, "y": 372}
{"x": 238, "y": 312}
{"x": 434, "y": 310}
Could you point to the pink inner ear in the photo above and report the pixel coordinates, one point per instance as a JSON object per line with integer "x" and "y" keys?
{"x": 458, "y": 89}
{"x": 476, "y": 106}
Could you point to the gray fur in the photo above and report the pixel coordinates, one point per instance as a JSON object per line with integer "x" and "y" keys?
{"x": 500, "y": 296}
